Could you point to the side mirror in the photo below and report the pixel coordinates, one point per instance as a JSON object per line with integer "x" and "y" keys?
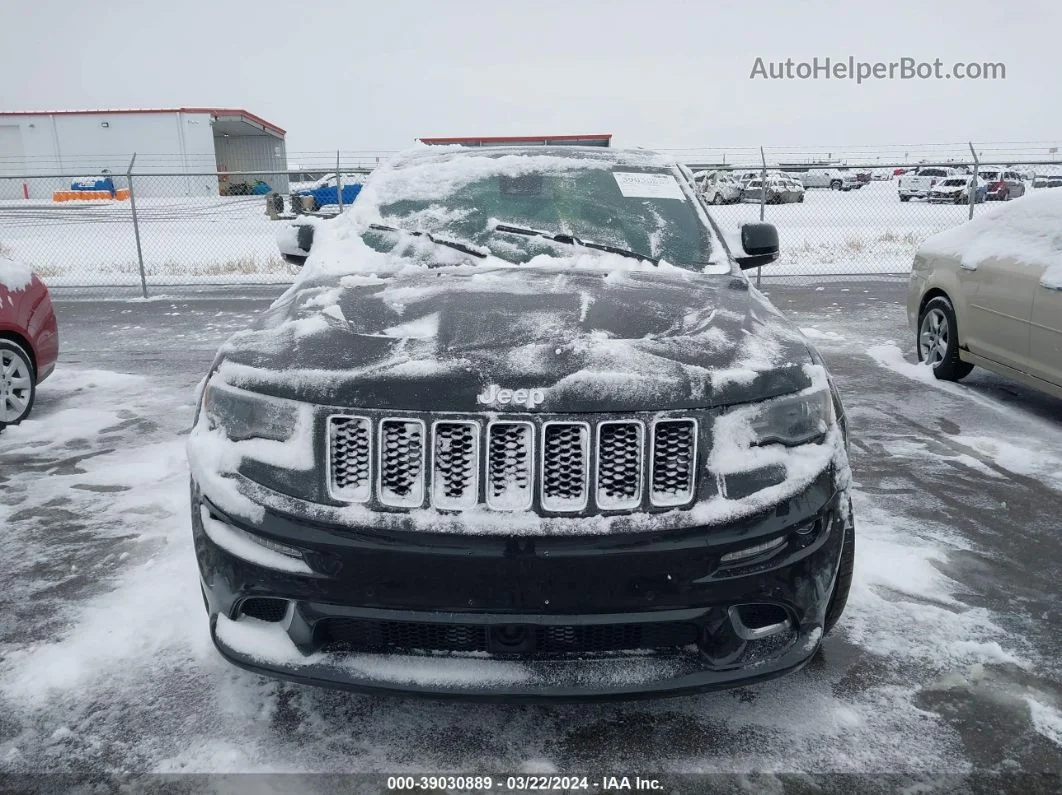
{"x": 295, "y": 242}
{"x": 760, "y": 245}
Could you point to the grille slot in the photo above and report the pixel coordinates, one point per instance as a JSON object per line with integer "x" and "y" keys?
{"x": 350, "y": 446}
{"x": 673, "y": 462}
{"x": 565, "y": 466}
{"x": 455, "y": 465}
{"x": 510, "y": 465}
{"x": 620, "y": 450}
{"x": 401, "y": 463}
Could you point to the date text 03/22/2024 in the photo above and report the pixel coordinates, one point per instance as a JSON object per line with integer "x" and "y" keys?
{"x": 523, "y": 783}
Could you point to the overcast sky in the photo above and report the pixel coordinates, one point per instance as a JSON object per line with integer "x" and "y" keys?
{"x": 660, "y": 74}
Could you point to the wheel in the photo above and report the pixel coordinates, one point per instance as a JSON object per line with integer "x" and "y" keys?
{"x": 905, "y": 198}
{"x": 800, "y": 198}
{"x": 17, "y": 383}
{"x": 836, "y": 185}
{"x": 938, "y": 340}
{"x": 843, "y": 584}
{"x": 717, "y": 199}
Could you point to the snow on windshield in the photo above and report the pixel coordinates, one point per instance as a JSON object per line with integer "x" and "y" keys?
{"x": 1026, "y": 230}
{"x": 633, "y": 201}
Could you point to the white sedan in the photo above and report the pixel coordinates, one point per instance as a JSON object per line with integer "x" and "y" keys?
{"x": 989, "y": 293}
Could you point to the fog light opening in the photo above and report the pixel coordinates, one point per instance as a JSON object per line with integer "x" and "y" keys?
{"x": 265, "y": 608}
{"x": 759, "y": 620}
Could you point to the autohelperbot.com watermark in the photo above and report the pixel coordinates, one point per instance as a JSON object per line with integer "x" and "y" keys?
{"x": 863, "y": 71}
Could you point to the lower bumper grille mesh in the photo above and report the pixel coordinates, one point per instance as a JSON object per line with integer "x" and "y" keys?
{"x": 360, "y": 635}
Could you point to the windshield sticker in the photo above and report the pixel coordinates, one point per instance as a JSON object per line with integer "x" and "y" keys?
{"x": 648, "y": 186}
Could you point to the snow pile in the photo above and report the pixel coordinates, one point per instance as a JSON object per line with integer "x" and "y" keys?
{"x": 1028, "y": 230}
{"x": 14, "y": 275}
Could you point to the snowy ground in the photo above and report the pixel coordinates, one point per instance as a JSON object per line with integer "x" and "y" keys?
{"x": 948, "y": 662}
{"x": 230, "y": 239}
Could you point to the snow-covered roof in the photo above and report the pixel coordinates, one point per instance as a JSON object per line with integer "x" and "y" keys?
{"x": 1028, "y": 230}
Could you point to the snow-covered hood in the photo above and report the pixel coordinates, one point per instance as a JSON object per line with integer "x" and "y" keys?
{"x": 436, "y": 339}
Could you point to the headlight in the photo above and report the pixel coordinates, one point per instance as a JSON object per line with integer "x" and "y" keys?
{"x": 793, "y": 420}
{"x": 246, "y": 415}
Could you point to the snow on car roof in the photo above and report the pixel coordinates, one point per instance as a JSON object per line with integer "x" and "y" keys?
{"x": 14, "y": 274}
{"x": 1027, "y": 230}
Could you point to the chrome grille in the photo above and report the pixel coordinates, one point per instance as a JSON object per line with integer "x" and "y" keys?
{"x": 455, "y": 464}
{"x": 510, "y": 465}
{"x": 673, "y": 460}
{"x": 350, "y": 446}
{"x": 565, "y": 465}
{"x": 568, "y": 464}
{"x": 620, "y": 448}
{"x": 401, "y": 463}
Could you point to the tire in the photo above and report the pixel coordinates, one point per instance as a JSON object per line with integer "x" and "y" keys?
{"x": 18, "y": 383}
{"x": 836, "y": 185}
{"x": 905, "y": 198}
{"x": 937, "y": 340}
{"x": 800, "y": 198}
{"x": 717, "y": 199}
{"x": 843, "y": 584}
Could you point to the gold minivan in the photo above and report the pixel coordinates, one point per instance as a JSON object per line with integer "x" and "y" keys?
{"x": 989, "y": 293}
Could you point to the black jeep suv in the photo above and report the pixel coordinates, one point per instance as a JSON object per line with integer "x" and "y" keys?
{"x": 522, "y": 429}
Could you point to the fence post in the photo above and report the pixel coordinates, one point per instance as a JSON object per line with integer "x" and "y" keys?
{"x": 339, "y": 184}
{"x": 973, "y": 182}
{"x": 763, "y": 203}
{"x": 136, "y": 226}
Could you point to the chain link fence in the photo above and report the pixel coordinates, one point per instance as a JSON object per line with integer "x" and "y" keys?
{"x": 157, "y": 230}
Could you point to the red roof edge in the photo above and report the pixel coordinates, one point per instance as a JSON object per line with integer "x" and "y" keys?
{"x": 504, "y": 139}
{"x": 213, "y": 111}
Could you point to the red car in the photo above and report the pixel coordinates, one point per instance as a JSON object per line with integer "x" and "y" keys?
{"x": 29, "y": 339}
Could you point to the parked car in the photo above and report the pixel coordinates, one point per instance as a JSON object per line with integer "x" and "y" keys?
{"x": 916, "y": 185}
{"x": 779, "y": 191}
{"x": 719, "y": 187}
{"x": 461, "y": 457}
{"x": 796, "y": 186}
{"x": 325, "y": 192}
{"x": 1054, "y": 181}
{"x": 989, "y": 293}
{"x": 833, "y": 178}
{"x": 29, "y": 339}
{"x": 1003, "y": 184}
{"x": 956, "y": 190}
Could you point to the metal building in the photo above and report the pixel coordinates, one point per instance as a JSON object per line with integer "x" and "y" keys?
{"x": 185, "y": 141}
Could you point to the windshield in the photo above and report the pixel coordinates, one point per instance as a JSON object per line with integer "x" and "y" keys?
{"x": 640, "y": 208}
{"x": 989, "y": 174}
{"x": 954, "y": 182}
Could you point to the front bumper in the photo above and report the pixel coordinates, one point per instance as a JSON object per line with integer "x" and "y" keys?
{"x": 526, "y": 618}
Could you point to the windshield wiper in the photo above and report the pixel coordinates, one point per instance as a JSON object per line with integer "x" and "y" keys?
{"x": 572, "y": 240}
{"x": 466, "y": 248}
